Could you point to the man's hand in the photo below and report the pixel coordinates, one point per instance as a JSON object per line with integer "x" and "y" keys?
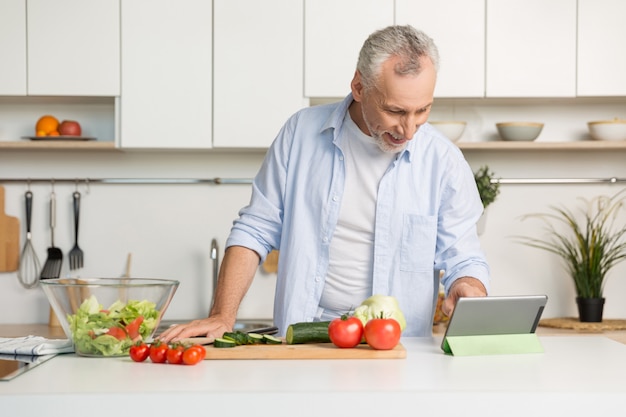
{"x": 212, "y": 327}
{"x": 462, "y": 287}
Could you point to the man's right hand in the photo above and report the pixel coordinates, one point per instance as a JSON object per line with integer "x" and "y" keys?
{"x": 211, "y": 327}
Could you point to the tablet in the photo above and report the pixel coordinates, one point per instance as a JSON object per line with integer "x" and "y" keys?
{"x": 493, "y": 315}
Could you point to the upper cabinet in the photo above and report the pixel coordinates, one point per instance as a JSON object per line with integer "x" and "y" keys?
{"x": 60, "y": 48}
{"x": 531, "y": 48}
{"x": 13, "y": 47}
{"x": 458, "y": 29}
{"x": 73, "y": 47}
{"x": 601, "y": 54}
{"x": 334, "y": 31}
{"x": 166, "y": 99}
{"x": 258, "y": 70}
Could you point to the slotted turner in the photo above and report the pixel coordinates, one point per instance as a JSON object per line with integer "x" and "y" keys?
{"x": 52, "y": 268}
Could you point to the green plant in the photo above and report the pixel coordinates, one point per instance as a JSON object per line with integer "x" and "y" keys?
{"x": 488, "y": 188}
{"x": 592, "y": 244}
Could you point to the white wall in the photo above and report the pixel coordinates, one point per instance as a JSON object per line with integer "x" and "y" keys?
{"x": 168, "y": 228}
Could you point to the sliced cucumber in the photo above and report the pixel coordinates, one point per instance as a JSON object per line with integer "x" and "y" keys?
{"x": 271, "y": 340}
{"x": 255, "y": 338}
{"x": 221, "y": 342}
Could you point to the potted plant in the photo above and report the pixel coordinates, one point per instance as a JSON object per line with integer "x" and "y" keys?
{"x": 591, "y": 245}
{"x": 488, "y": 189}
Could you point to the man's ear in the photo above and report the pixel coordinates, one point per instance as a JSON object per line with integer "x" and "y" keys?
{"x": 357, "y": 86}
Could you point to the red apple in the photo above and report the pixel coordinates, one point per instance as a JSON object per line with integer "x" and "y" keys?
{"x": 69, "y": 128}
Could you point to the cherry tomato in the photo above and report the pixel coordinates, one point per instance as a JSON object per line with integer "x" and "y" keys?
{"x": 174, "y": 354}
{"x": 132, "y": 328}
{"x": 382, "y": 334}
{"x": 158, "y": 352}
{"x": 139, "y": 352}
{"x": 345, "y": 331}
{"x": 116, "y": 332}
{"x": 194, "y": 354}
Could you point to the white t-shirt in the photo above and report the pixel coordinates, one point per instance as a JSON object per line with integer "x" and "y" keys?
{"x": 349, "y": 277}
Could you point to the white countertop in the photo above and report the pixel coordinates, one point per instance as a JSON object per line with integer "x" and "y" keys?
{"x": 575, "y": 373}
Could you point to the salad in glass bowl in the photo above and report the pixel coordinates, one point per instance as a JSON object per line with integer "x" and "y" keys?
{"x": 106, "y": 316}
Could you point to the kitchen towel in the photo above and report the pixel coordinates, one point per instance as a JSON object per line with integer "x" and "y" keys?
{"x": 34, "y": 345}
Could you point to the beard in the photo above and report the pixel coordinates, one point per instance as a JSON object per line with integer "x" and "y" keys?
{"x": 383, "y": 144}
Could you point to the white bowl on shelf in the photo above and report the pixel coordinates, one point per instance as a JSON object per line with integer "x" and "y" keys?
{"x": 451, "y": 129}
{"x": 612, "y": 130}
{"x": 519, "y": 131}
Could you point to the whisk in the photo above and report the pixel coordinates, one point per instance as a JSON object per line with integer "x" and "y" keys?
{"x": 28, "y": 272}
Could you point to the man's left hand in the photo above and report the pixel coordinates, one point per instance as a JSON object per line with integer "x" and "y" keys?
{"x": 462, "y": 287}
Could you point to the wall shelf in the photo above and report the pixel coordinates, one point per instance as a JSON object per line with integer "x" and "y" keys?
{"x": 538, "y": 146}
{"x": 60, "y": 145}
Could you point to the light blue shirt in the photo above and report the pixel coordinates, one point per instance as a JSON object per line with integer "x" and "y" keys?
{"x": 426, "y": 215}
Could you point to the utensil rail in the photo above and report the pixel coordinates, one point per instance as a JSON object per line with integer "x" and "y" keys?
{"x": 230, "y": 181}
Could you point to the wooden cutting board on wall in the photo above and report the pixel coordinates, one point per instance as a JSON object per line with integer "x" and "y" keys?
{"x": 9, "y": 239}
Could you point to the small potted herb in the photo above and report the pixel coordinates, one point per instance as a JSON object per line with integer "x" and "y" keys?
{"x": 488, "y": 189}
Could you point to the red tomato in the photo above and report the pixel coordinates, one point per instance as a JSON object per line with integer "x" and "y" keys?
{"x": 132, "y": 328}
{"x": 158, "y": 352}
{"x": 117, "y": 333}
{"x": 194, "y": 354}
{"x": 345, "y": 331}
{"x": 382, "y": 334}
{"x": 174, "y": 354}
{"x": 139, "y": 352}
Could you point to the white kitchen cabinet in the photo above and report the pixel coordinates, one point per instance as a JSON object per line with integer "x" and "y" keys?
{"x": 601, "y": 54}
{"x": 458, "y": 29}
{"x": 166, "y": 74}
{"x": 13, "y": 47}
{"x": 73, "y": 47}
{"x": 531, "y": 48}
{"x": 258, "y": 70}
{"x": 334, "y": 31}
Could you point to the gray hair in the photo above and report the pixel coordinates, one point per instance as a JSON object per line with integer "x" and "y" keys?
{"x": 405, "y": 42}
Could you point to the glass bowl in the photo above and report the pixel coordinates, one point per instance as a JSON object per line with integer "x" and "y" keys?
{"x": 106, "y": 316}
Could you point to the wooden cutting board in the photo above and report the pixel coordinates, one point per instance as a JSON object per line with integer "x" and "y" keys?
{"x": 9, "y": 239}
{"x": 304, "y": 351}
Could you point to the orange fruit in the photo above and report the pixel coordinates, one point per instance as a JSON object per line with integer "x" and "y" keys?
{"x": 53, "y": 133}
{"x": 46, "y": 124}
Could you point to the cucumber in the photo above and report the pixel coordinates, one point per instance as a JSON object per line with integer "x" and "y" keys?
{"x": 223, "y": 343}
{"x": 271, "y": 340}
{"x": 315, "y": 332}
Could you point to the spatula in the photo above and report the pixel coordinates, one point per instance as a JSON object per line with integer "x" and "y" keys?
{"x": 52, "y": 267}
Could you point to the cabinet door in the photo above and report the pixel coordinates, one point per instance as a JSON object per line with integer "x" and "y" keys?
{"x": 531, "y": 48}
{"x": 166, "y": 74}
{"x": 13, "y": 47}
{"x": 334, "y": 31}
{"x": 73, "y": 47}
{"x": 458, "y": 29}
{"x": 258, "y": 70}
{"x": 601, "y": 50}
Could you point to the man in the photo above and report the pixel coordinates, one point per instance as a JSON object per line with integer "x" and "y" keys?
{"x": 361, "y": 197}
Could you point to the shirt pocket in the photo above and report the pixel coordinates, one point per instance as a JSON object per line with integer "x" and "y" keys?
{"x": 419, "y": 239}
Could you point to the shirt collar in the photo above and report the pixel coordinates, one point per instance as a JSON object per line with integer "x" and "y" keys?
{"x": 335, "y": 121}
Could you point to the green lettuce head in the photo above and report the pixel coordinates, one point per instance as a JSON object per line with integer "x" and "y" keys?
{"x": 378, "y": 305}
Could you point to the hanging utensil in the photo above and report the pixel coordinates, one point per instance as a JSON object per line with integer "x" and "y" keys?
{"x": 9, "y": 239}
{"x": 29, "y": 270}
{"x": 76, "y": 254}
{"x": 52, "y": 267}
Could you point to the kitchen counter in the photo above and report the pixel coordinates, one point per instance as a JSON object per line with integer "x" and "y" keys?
{"x": 574, "y": 374}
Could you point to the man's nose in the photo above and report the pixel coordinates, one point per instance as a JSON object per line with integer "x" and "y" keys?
{"x": 409, "y": 126}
